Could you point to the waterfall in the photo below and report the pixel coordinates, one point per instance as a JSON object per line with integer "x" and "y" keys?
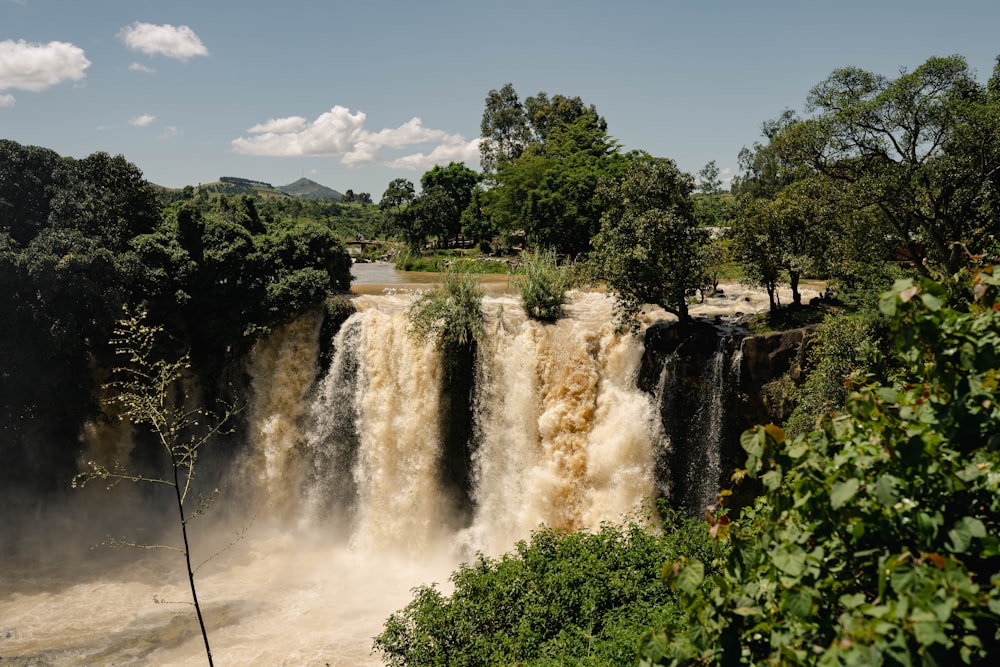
{"x": 346, "y": 468}
{"x": 705, "y": 472}
{"x": 282, "y": 369}
{"x": 561, "y": 434}
{"x": 694, "y": 392}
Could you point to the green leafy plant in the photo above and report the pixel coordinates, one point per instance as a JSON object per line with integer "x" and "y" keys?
{"x": 561, "y": 598}
{"x": 449, "y": 314}
{"x": 876, "y": 539}
{"x": 146, "y": 390}
{"x": 542, "y": 285}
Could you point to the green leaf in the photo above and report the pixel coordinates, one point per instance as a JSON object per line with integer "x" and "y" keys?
{"x": 771, "y": 479}
{"x": 843, "y": 491}
{"x": 797, "y": 601}
{"x": 931, "y": 302}
{"x": 965, "y": 530}
{"x": 790, "y": 559}
{"x": 852, "y": 600}
{"x": 691, "y": 577}
{"x": 885, "y": 490}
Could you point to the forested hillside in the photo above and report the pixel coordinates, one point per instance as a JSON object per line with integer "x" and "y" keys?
{"x": 82, "y": 239}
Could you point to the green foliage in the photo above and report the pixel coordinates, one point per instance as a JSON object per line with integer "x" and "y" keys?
{"x": 81, "y": 238}
{"x": 451, "y": 314}
{"x": 648, "y": 249}
{"x": 837, "y": 348}
{"x": 922, "y": 148}
{"x": 559, "y": 599}
{"x": 543, "y": 162}
{"x": 876, "y": 541}
{"x": 147, "y": 391}
{"x": 454, "y": 184}
{"x": 542, "y": 285}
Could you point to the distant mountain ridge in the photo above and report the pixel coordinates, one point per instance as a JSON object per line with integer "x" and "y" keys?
{"x": 303, "y": 188}
{"x": 308, "y": 189}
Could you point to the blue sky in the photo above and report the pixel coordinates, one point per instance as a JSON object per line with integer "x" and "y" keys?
{"x": 354, "y": 94}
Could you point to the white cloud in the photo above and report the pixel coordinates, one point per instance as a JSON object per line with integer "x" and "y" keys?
{"x": 339, "y": 132}
{"x": 142, "y": 121}
{"x": 179, "y": 42}
{"x": 35, "y": 67}
{"x": 290, "y": 124}
{"x": 334, "y": 132}
{"x": 454, "y": 149}
{"x": 139, "y": 67}
{"x": 169, "y": 132}
{"x": 6, "y": 101}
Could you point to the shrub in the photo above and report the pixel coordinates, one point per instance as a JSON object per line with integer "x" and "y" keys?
{"x": 542, "y": 286}
{"x": 561, "y": 598}
{"x": 451, "y": 313}
{"x": 876, "y": 539}
{"x": 836, "y": 349}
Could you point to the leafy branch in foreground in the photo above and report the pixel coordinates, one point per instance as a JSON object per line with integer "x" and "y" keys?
{"x": 877, "y": 538}
{"x": 147, "y": 391}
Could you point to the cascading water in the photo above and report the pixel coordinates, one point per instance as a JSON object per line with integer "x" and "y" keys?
{"x": 346, "y": 472}
{"x": 564, "y": 437}
{"x": 706, "y": 470}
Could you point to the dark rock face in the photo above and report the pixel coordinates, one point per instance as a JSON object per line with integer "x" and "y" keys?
{"x": 690, "y": 370}
{"x": 766, "y": 358}
{"x": 695, "y": 371}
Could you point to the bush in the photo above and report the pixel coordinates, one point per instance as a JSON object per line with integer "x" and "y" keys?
{"x": 542, "y": 286}
{"x": 450, "y": 314}
{"x": 876, "y": 540}
{"x": 562, "y": 598}
{"x": 836, "y": 349}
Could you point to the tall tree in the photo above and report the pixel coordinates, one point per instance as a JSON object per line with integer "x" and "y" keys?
{"x": 28, "y": 178}
{"x": 647, "y": 250}
{"x": 504, "y": 129}
{"x": 547, "y": 115}
{"x": 455, "y": 183}
{"x": 547, "y": 190}
{"x": 923, "y": 148}
{"x": 105, "y": 197}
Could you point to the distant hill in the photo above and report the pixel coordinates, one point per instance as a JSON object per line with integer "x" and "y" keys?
{"x": 231, "y": 185}
{"x": 307, "y": 189}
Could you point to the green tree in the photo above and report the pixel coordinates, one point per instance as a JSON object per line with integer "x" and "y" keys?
{"x": 546, "y": 116}
{"x": 560, "y": 598}
{"x": 146, "y": 391}
{"x": 922, "y": 148}
{"x": 792, "y": 233}
{"x": 104, "y": 198}
{"x": 454, "y": 184}
{"x": 709, "y": 182}
{"x": 647, "y": 250}
{"x": 398, "y": 194}
{"x": 28, "y": 178}
{"x": 504, "y": 129}
{"x": 876, "y": 540}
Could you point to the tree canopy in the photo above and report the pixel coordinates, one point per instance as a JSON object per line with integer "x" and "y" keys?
{"x": 647, "y": 250}
{"x": 923, "y": 149}
{"x": 81, "y": 238}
